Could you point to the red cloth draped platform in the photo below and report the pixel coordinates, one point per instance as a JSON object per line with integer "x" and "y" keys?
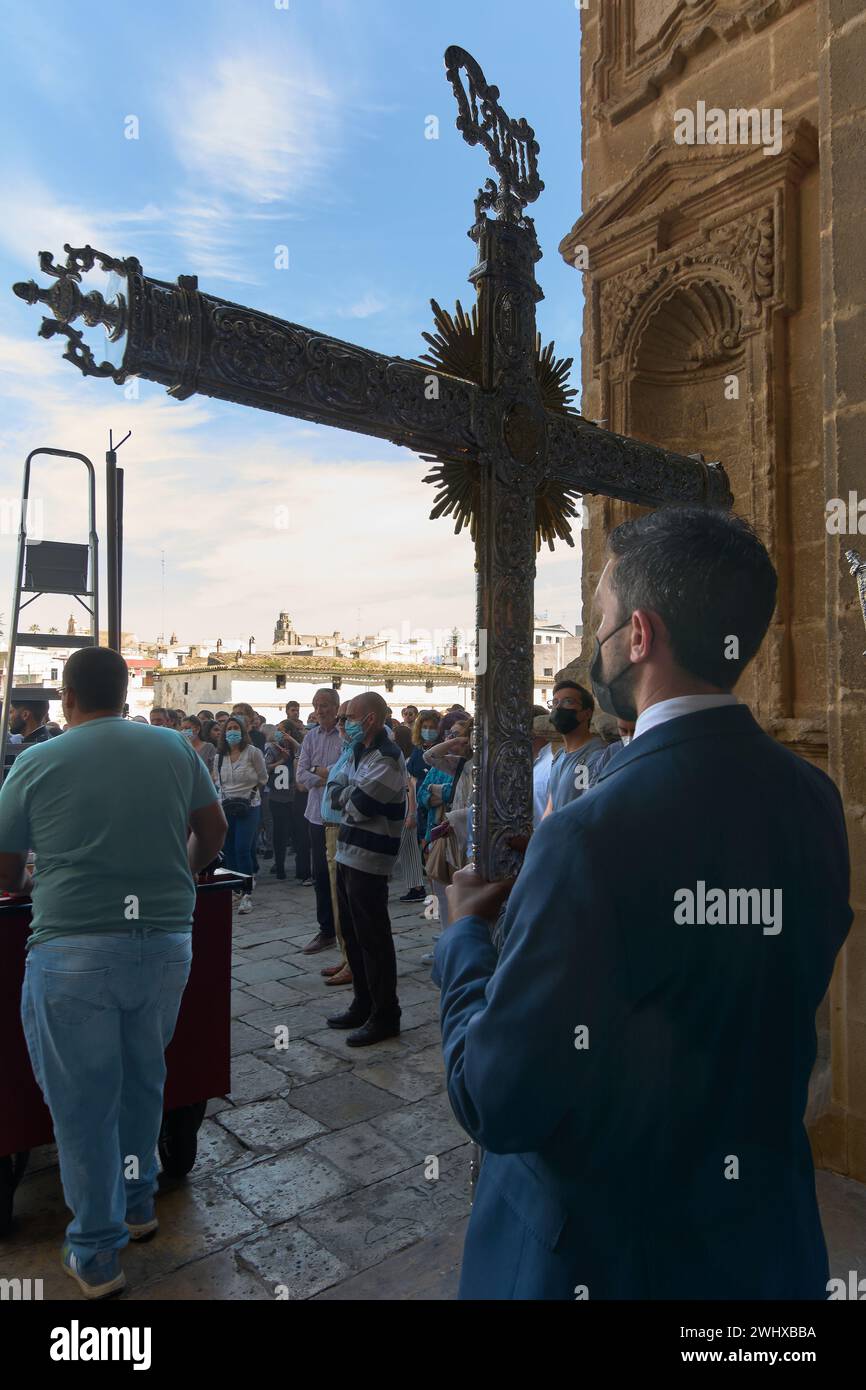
{"x": 198, "y": 1056}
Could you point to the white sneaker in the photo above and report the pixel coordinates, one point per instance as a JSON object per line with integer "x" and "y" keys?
{"x": 246, "y": 903}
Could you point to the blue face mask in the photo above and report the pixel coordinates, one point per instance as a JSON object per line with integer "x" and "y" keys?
{"x": 354, "y": 732}
{"x": 233, "y": 737}
{"x": 429, "y": 735}
{"x": 279, "y": 737}
{"x": 189, "y": 733}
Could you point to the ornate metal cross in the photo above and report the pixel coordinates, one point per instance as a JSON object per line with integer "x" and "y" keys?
{"x": 485, "y": 405}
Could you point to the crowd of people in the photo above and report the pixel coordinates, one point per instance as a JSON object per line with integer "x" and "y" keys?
{"x": 282, "y": 788}
{"x": 612, "y": 1063}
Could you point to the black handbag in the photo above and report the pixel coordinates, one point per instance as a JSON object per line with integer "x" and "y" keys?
{"x": 236, "y": 807}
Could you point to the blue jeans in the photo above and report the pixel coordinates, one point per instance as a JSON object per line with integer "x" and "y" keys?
{"x": 239, "y": 842}
{"x": 98, "y": 1012}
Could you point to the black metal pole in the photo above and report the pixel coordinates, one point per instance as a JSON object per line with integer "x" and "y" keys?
{"x": 119, "y": 556}
{"x": 112, "y": 551}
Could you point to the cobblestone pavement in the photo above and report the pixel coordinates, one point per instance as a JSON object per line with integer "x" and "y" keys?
{"x": 312, "y": 1175}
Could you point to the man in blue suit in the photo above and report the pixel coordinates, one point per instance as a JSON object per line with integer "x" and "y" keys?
{"x": 636, "y": 1062}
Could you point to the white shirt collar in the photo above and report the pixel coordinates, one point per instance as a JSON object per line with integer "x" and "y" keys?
{"x": 672, "y": 709}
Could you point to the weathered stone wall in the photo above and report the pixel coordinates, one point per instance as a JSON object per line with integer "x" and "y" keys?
{"x": 840, "y": 1137}
{"x": 720, "y": 291}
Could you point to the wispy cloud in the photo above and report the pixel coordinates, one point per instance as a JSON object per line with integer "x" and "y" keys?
{"x": 38, "y": 219}
{"x": 363, "y": 308}
{"x": 255, "y": 129}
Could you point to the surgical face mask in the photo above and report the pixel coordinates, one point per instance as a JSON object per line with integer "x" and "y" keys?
{"x": 354, "y": 732}
{"x": 612, "y": 694}
{"x": 279, "y": 737}
{"x": 233, "y": 737}
{"x": 189, "y": 733}
{"x": 429, "y": 735}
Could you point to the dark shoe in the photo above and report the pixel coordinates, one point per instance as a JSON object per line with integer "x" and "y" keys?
{"x": 331, "y": 969}
{"x": 415, "y": 895}
{"x": 350, "y": 1019}
{"x": 343, "y": 977}
{"x": 307, "y": 882}
{"x": 372, "y": 1033}
{"x": 320, "y": 943}
{"x": 281, "y": 873}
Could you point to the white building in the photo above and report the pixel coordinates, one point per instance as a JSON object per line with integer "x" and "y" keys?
{"x": 554, "y": 646}
{"x": 269, "y": 682}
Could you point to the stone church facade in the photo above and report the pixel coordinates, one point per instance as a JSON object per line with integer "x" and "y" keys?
{"x": 725, "y": 286}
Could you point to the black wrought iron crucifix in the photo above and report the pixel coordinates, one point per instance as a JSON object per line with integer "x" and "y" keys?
{"x": 485, "y": 405}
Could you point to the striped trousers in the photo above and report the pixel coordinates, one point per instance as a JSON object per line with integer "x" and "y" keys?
{"x": 409, "y": 866}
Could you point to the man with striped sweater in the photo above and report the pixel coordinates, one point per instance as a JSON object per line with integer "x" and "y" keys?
{"x": 371, "y": 792}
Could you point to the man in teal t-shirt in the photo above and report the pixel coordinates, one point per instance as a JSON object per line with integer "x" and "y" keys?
{"x": 120, "y": 817}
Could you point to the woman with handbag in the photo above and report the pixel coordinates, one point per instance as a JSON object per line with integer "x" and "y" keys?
{"x": 450, "y": 841}
{"x": 239, "y": 773}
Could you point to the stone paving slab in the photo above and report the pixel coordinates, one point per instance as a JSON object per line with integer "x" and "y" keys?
{"x": 291, "y": 1263}
{"x": 362, "y": 1154}
{"x": 217, "y": 1149}
{"x": 255, "y": 971}
{"x": 410, "y": 1076}
{"x": 216, "y": 1277}
{"x": 273, "y": 992}
{"x": 278, "y": 1188}
{"x": 428, "y": 1271}
{"x": 299, "y": 1020}
{"x": 254, "y": 1079}
{"x": 262, "y": 950}
{"x": 342, "y": 1099}
{"x": 388, "y": 1215}
{"x": 425, "y": 1127}
{"x": 268, "y": 1126}
{"x": 244, "y": 1038}
{"x": 303, "y": 1060}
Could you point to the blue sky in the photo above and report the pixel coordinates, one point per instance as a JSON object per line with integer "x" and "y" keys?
{"x": 259, "y": 127}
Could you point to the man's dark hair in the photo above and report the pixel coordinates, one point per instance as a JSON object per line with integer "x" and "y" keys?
{"x": 586, "y": 700}
{"x": 99, "y": 678}
{"x": 707, "y": 575}
{"x": 38, "y": 708}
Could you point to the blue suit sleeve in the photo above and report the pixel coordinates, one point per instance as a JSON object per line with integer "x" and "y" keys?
{"x": 516, "y": 1053}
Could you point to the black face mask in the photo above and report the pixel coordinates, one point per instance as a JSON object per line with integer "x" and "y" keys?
{"x": 618, "y": 702}
{"x": 565, "y": 721}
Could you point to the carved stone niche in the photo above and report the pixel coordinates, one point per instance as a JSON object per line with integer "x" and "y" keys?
{"x": 693, "y": 268}
{"x": 645, "y": 44}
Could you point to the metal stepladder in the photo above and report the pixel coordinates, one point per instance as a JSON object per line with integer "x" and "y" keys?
{"x": 50, "y": 567}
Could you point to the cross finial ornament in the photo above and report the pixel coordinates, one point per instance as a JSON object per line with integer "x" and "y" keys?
{"x": 511, "y": 145}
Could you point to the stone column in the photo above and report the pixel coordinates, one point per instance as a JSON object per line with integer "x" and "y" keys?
{"x": 839, "y": 1136}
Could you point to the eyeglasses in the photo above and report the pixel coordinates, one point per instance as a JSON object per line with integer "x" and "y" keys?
{"x": 568, "y": 703}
